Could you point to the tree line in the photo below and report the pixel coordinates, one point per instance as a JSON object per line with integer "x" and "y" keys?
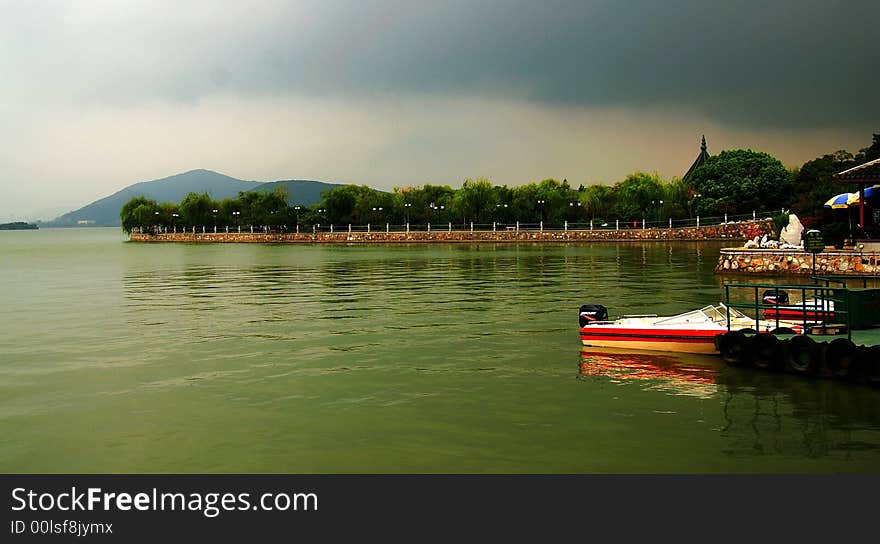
{"x": 732, "y": 182}
{"x": 479, "y": 201}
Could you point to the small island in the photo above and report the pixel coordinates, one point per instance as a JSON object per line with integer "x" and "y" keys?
{"x": 18, "y": 225}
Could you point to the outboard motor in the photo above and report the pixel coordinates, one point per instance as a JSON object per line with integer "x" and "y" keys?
{"x": 592, "y": 312}
{"x": 775, "y": 296}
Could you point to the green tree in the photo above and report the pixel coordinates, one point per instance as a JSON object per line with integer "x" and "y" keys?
{"x": 227, "y": 216}
{"x": 741, "y": 181}
{"x": 474, "y": 200}
{"x": 138, "y": 212}
{"x": 814, "y": 184}
{"x": 349, "y": 204}
{"x": 676, "y": 198}
{"x": 638, "y": 197}
{"x": 503, "y": 198}
{"x": 524, "y": 205}
{"x": 871, "y": 152}
{"x": 168, "y": 214}
{"x": 196, "y": 210}
{"x": 273, "y": 207}
{"x": 263, "y": 208}
{"x": 553, "y": 200}
{"x": 598, "y": 201}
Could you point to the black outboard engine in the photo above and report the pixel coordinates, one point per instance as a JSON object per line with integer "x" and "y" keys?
{"x": 592, "y": 312}
{"x": 775, "y": 296}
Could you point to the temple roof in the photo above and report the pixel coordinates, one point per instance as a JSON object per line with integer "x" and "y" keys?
{"x": 863, "y": 173}
{"x": 701, "y": 158}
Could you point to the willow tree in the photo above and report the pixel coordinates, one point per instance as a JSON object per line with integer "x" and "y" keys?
{"x": 139, "y": 212}
{"x": 597, "y": 201}
{"x": 474, "y": 200}
{"x": 638, "y": 196}
{"x": 197, "y": 210}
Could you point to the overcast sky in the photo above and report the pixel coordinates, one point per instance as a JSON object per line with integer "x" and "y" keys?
{"x": 98, "y": 94}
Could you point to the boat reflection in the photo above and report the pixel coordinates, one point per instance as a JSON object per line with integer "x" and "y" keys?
{"x": 678, "y": 374}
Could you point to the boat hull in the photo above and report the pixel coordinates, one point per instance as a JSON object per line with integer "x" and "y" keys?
{"x": 794, "y": 314}
{"x": 812, "y": 310}
{"x": 674, "y": 341}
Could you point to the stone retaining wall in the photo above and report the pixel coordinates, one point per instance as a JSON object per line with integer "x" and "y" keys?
{"x": 790, "y": 261}
{"x": 734, "y": 231}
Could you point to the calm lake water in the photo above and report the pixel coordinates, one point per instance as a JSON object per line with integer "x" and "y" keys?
{"x": 122, "y": 357}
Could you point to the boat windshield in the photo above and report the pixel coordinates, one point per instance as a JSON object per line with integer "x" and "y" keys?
{"x": 709, "y": 314}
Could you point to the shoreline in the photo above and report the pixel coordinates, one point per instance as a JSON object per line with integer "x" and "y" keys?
{"x": 726, "y": 232}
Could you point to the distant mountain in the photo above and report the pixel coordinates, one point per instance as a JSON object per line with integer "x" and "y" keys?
{"x": 105, "y": 212}
{"x": 300, "y": 191}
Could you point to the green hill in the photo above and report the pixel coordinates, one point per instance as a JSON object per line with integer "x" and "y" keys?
{"x": 105, "y": 212}
{"x": 299, "y": 191}
{"x": 18, "y": 225}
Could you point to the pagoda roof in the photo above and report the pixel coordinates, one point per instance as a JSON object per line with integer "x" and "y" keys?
{"x": 863, "y": 173}
{"x": 701, "y": 158}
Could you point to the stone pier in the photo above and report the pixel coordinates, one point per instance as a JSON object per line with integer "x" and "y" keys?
{"x": 797, "y": 262}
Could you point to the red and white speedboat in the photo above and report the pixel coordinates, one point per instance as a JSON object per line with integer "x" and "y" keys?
{"x": 690, "y": 332}
{"x": 813, "y": 310}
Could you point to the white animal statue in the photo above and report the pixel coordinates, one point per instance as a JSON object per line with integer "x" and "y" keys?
{"x": 791, "y": 234}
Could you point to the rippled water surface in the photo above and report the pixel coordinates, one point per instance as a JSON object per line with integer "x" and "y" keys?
{"x": 122, "y": 357}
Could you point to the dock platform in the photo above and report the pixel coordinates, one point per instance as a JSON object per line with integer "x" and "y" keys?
{"x": 840, "y": 324}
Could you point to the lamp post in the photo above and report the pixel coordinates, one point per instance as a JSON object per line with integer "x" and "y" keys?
{"x": 659, "y": 213}
{"x": 406, "y": 207}
{"x": 297, "y": 209}
{"x": 235, "y": 215}
{"x": 215, "y": 221}
{"x": 437, "y": 209}
{"x": 272, "y": 221}
{"x": 575, "y": 208}
{"x": 691, "y": 203}
{"x": 541, "y": 203}
{"x": 379, "y": 214}
{"x": 321, "y": 212}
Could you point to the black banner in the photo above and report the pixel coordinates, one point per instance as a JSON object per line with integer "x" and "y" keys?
{"x": 235, "y": 508}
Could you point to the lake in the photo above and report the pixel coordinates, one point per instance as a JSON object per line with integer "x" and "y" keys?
{"x": 179, "y": 358}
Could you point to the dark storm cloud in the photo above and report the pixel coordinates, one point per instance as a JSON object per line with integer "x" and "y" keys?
{"x": 779, "y": 64}
{"x": 96, "y": 94}
{"x": 785, "y": 64}
{"x": 763, "y": 63}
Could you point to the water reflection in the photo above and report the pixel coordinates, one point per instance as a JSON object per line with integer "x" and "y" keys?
{"x": 696, "y": 378}
{"x": 761, "y": 413}
{"x": 767, "y": 413}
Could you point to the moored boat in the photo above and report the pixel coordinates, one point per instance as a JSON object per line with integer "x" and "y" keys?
{"x": 689, "y": 332}
{"x": 812, "y": 310}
